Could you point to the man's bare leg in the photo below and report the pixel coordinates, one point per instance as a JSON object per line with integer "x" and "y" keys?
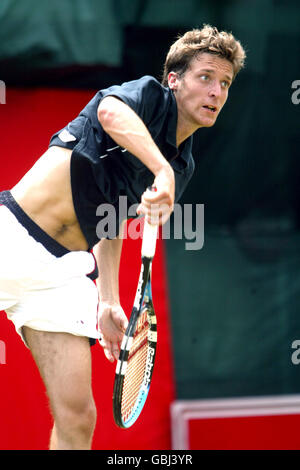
{"x": 64, "y": 362}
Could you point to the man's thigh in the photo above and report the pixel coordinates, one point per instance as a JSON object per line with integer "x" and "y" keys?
{"x": 64, "y": 362}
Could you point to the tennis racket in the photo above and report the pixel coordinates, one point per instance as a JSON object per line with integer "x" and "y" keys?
{"x": 137, "y": 353}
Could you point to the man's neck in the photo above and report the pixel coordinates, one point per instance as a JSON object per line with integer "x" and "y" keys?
{"x": 184, "y": 131}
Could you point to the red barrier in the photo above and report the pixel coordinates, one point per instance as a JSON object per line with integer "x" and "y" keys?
{"x": 240, "y": 423}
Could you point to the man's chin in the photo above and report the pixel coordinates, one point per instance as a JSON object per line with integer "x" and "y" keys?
{"x": 208, "y": 124}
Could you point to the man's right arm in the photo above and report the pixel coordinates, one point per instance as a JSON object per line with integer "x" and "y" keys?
{"x": 127, "y": 129}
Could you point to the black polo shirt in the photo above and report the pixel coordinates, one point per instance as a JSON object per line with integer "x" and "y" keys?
{"x": 101, "y": 171}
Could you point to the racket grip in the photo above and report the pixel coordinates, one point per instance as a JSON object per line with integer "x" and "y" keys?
{"x": 149, "y": 240}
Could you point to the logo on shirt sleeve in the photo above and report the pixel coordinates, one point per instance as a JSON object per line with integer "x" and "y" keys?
{"x": 65, "y": 136}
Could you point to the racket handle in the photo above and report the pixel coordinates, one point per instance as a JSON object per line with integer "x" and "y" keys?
{"x": 149, "y": 240}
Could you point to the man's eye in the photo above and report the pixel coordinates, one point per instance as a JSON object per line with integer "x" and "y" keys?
{"x": 225, "y": 84}
{"x": 204, "y": 78}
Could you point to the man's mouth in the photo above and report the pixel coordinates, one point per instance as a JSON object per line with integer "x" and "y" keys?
{"x": 210, "y": 108}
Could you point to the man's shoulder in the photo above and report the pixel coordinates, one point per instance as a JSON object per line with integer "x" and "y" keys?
{"x": 149, "y": 82}
{"x": 144, "y": 95}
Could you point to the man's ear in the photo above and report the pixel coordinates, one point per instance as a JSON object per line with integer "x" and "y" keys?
{"x": 173, "y": 80}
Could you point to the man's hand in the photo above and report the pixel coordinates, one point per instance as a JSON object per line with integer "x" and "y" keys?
{"x": 112, "y": 325}
{"x": 158, "y": 205}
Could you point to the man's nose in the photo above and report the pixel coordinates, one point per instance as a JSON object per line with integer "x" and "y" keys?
{"x": 215, "y": 89}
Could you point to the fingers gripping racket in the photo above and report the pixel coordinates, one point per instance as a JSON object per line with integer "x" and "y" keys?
{"x": 135, "y": 365}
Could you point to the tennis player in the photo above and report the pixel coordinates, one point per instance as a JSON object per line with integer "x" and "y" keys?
{"x": 125, "y": 139}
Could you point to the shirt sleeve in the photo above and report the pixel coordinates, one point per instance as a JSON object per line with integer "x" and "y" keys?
{"x": 145, "y": 96}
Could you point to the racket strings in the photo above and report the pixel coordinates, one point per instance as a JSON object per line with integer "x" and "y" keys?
{"x": 136, "y": 366}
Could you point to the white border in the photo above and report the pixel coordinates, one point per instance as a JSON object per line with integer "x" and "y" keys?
{"x": 184, "y": 410}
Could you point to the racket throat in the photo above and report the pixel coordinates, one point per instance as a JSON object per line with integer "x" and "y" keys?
{"x": 145, "y": 274}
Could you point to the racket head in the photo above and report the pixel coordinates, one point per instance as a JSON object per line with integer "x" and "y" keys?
{"x": 136, "y": 361}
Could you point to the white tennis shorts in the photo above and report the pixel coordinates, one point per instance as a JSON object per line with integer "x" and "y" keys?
{"x": 41, "y": 290}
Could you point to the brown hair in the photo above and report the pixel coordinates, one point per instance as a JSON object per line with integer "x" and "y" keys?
{"x": 197, "y": 41}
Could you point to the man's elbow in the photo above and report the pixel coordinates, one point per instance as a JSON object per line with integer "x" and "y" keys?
{"x": 107, "y": 112}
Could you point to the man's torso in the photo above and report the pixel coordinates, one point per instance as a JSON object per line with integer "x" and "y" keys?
{"x": 44, "y": 193}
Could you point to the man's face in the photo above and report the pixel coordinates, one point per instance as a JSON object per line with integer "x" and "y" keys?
{"x": 202, "y": 90}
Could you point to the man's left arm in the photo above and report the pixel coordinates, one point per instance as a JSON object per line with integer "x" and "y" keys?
{"x": 112, "y": 319}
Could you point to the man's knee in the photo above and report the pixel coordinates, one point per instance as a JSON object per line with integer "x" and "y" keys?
{"x": 76, "y": 418}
